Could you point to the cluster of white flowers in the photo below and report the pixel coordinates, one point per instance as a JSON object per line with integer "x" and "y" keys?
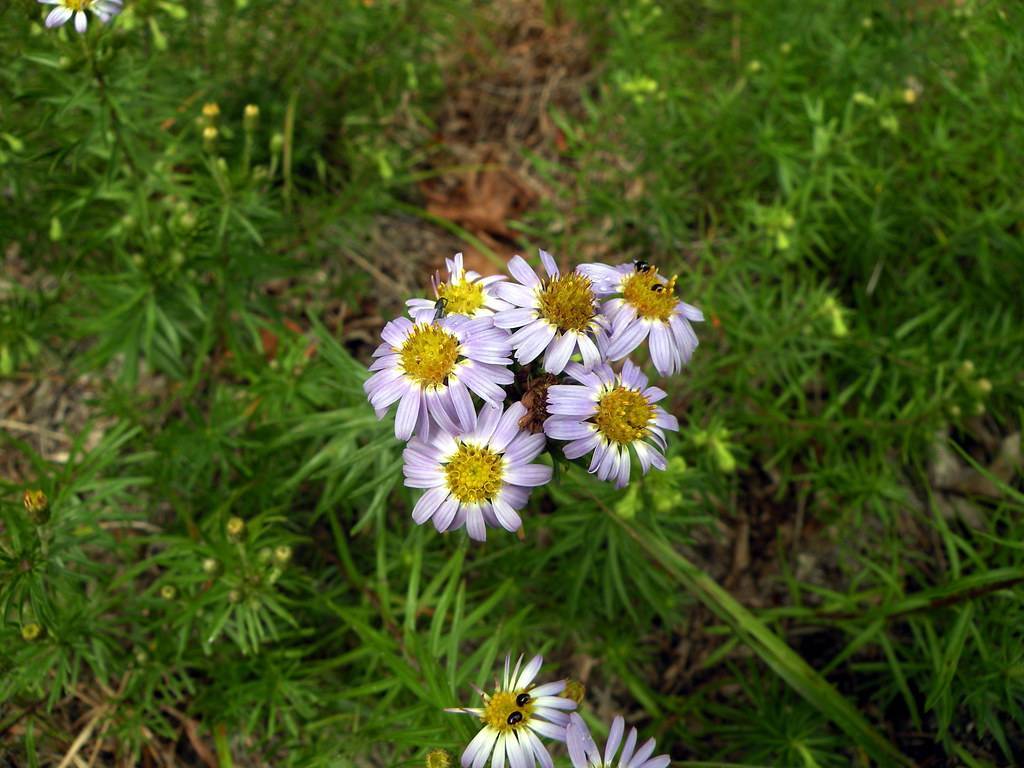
{"x": 511, "y": 344}
{"x": 518, "y": 712}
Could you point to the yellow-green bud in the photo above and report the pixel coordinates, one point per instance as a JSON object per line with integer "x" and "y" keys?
{"x": 177, "y": 258}
{"x": 187, "y": 221}
{"x": 723, "y": 456}
{"x": 210, "y": 134}
{"x": 867, "y": 22}
{"x": 264, "y": 554}
{"x": 276, "y": 143}
{"x": 954, "y": 411}
{"x": 37, "y": 506}
{"x": 211, "y": 110}
{"x": 282, "y": 554}
{"x": 909, "y": 95}
{"x": 782, "y": 241}
{"x": 31, "y": 631}
{"x": 251, "y": 116}
{"x": 56, "y": 229}
{"x": 786, "y": 48}
{"x": 168, "y": 592}
{"x": 966, "y": 369}
{"x": 755, "y": 66}
{"x": 210, "y": 566}
{"x": 439, "y": 758}
{"x": 235, "y": 528}
{"x": 979, "y": 408}
{"x": 984, "y": 387}
{"x": 574, "y": 690}
{"x": 234, "y": 596}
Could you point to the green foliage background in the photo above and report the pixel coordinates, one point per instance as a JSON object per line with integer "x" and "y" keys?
{"x": 839, "y": 186}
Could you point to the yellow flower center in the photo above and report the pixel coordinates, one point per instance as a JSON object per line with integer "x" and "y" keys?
{"x": 508, "y": 710}
{"x": 652, "y": 299}
{"x": 463, "y": 297}
{"x": 428, "y": 354}
{"x": 623, "y": 415}
{"x": 474, "y": 474}
{"x": 568, "y": 302}
{"x": 77, "y": 5}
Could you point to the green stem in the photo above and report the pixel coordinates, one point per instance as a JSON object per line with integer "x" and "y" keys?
{"x": 769, "y": 647}
{"x": 108, "y": 102}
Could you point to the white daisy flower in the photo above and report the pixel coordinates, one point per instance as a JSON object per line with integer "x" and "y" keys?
{"x": 647, "y": 306}
{"x": 608, "y": 413}
{"x": 556, "y": 315}
{"x": 65, "y": 9}
{"x": 464, "y": 293}
{"x": 584, "y": 752}
{"x": 430, "y": 369}
{"x": 512, "y": 717}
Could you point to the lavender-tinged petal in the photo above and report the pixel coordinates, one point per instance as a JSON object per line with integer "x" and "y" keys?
{"x": 627, "y": 749}
{"x": 395, "y": 332}
{"x": 516, "y": 754}
{"x": 598, "y": 458}
{"x": 475, "y": 526}
{"x": 549, "y": 264}
{"x": 622, "y": 479}
{"x": 566, "y": 428}
{"x": 548, "y": 689}
{"x": 583, "y": 374}
{"x": 532, "y": 346}
{"x": 515, "y": 294}
{"x": 654, "y": 394}
{"x": 515, "y": 318}
{"x": 446, "y": 514}
{"x": 462, "y": 404}
{"x": 543, "y": 758}
{"x": 644, "y": 752}
{"x": 579, "y": 448}
{"x": 661, "y": 354}
{"x": 387, "y": 361}
{"x": 476, "y": 378}
{"x": 428, "y": 504}
{"x": 684, "y": 336}
{"x": 530, "y": 475}
{"x": 661, "y": 761}
{"x": 690, "y": 312}
{"x": 643, "y": 453}
{"x": 514, "y": 495}
{"x": 487, "y": 421}
{"x": 508, "y": 427}
{"x": 390, "y": 392}
{"x": 522, "y": 271}
{"x": 554, "y": 702}
{"x": 666, "y": 420}
{"x": 550, "y": 730}
{"x": 632, "y": 376}
{"x": 58, "y": 16}
{"x": 408, "y": 413}
{"x": 529, "y": 672}
{"x": 614, "y": 739}
{"x": 524, "y": 449}
{"x": 483, "y": 741}
{"x": 559, "y": 352}
{"x": 609, "y": 463}
{"x": 589, "y": 351}
{"x": 507, "y": 516}
{"x": 628, "y": 340}
{"x": 626, "y": 316}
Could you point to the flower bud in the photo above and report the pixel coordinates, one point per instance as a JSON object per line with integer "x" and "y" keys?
{"x": 574, "y": 690}
{"x": 234, "y": 596}
{"x": 966, "y": 369}
{"x": 37, "y": 506}
{"x": 210, "y": 134}
{"x": 168, "y": 592}
{"x": 251, "y": 117}
{"x": 211, "y": 110}
{"x": 627, "y": 506}
{"x": 56, "y": 229}
{"x": 439, "y": 758}
{"x": 276, "y": 143}
{"x": 235, "y": 528}
{"x": 31, "y": 631}
{"x": 282, "y": 554}
{"x": 210, "y": 566}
